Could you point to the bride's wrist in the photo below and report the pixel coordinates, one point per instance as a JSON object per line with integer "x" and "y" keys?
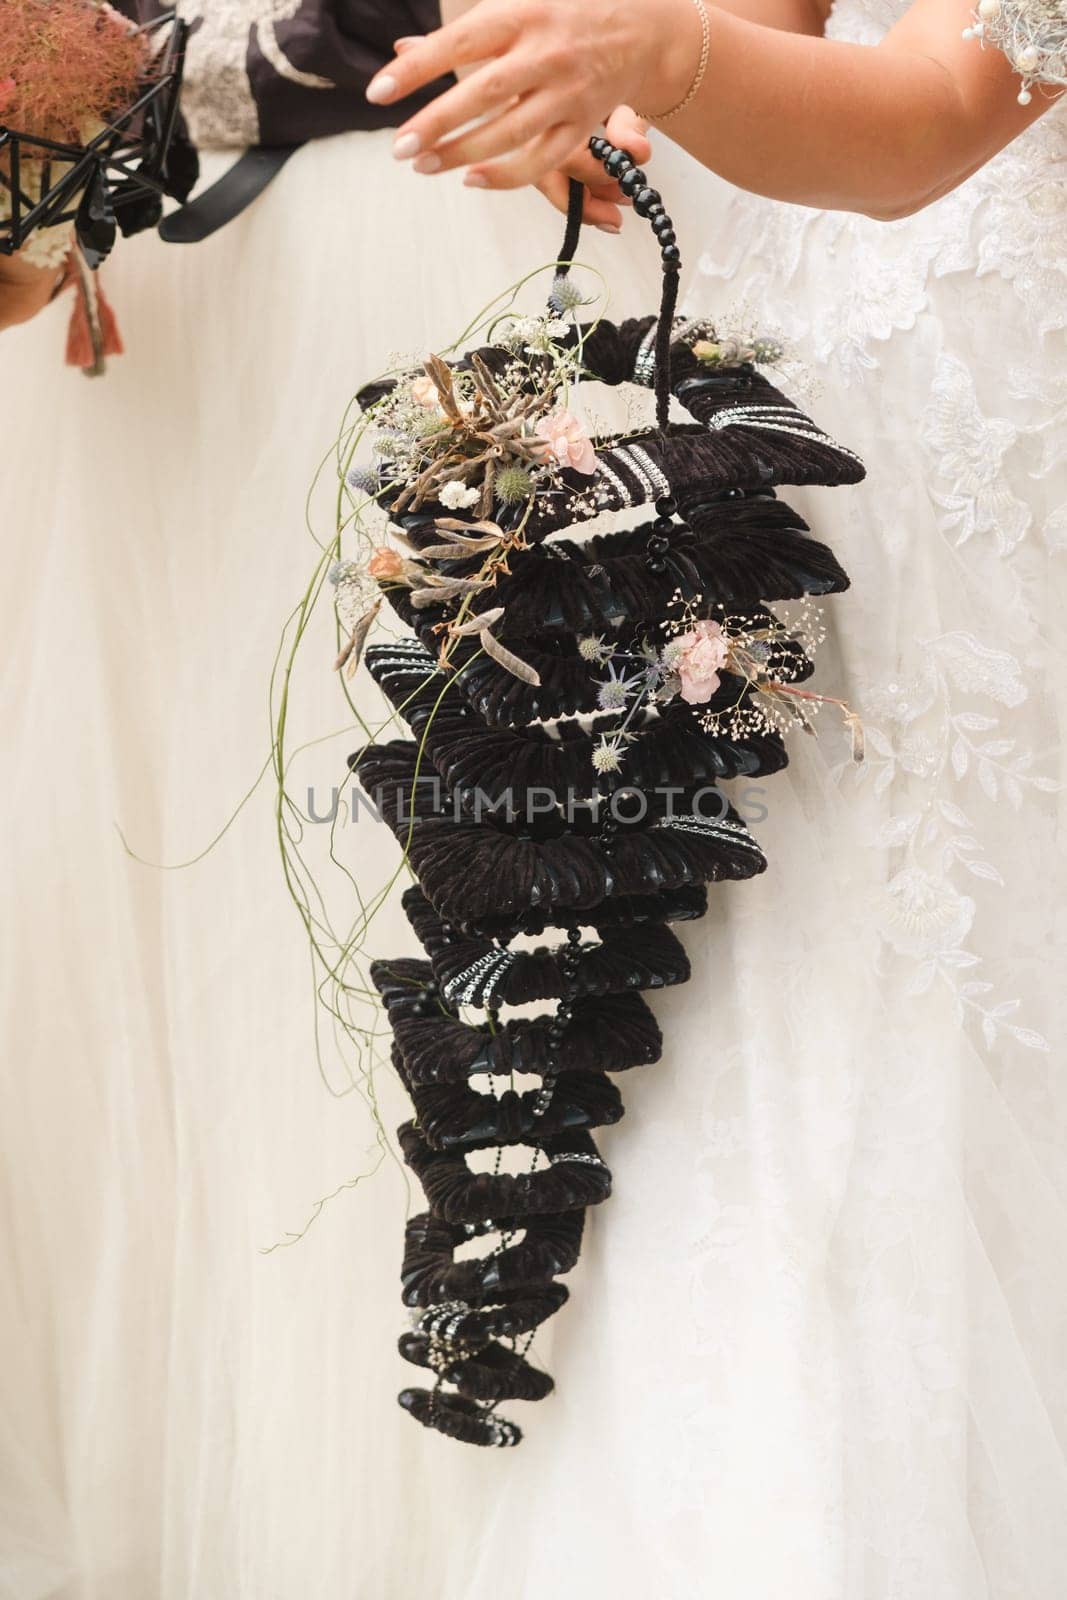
{"x": 678, "y": 65}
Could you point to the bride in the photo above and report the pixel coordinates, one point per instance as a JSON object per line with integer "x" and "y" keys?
{"x": 820, "y": 1342}
{"x": 816, "y": 1344}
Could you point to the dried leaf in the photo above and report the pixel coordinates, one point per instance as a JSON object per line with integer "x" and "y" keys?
{"x": 486, "y": 381}
{"x": 397, "y": 532}
{"x": 442, "y": 380}
{"x": 442, "y": 589}
{"x": 429, "y": 579}
{"x": 509, "y": 661}
{"x": 484, "y": 619}
{"x": 458, "y": 549}
{"x": 352, "y": 653}
{"x": 444, "y": 552}
{"x": 465, "y": 529}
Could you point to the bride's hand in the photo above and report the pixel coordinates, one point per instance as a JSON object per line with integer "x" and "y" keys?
{"x": 603, "y": 197}
{"x": 545, "y": 74}
{"x": 24, "y": 290}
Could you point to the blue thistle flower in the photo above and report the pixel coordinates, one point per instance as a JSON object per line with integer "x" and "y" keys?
{"x": 363, "y": 479}
{"x": 564, "y": 295}
{"x": 614, "y": 693}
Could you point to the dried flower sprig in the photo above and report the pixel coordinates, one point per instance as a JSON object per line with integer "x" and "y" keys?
{"x": 492, "y": 434}
{"x": 452, "y": 435}
{"x": 698, "y": 650}
{"x": 716, "y": 346}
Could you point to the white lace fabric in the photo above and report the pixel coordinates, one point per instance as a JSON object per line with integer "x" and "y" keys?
{"x": 939, "y": 352}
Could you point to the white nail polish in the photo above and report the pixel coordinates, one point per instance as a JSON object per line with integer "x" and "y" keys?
{"x": 608, "y": 227}
{"x": 406, "y": 145}
{"x": 428, "y": 163}
{"x": 476, "y": 180}
{"x": 381, "y": 88}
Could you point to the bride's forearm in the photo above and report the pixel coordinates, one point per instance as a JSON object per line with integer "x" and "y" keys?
{"x": 795, "y": 16}
{"x": 882, "y": 130}
{"x": 843, "y": 126}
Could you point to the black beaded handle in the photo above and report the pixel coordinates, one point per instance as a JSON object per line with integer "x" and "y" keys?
{"x": 647, "y": 202}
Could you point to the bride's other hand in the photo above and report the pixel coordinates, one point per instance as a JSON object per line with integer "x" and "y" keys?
{"x": 24, "y": 289}
{"x": 604, "y": 199}
{"x": 544, "y": 75}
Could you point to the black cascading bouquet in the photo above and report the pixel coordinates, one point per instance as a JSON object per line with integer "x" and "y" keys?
{"x": 575, "y": 699}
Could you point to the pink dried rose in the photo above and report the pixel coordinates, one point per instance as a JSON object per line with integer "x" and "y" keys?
{"x": 697, "y": 657}
{"x": 567, "y": 441}
{"x": 385, "y": 564}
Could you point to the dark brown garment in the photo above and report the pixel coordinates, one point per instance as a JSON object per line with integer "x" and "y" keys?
{"x": 346, "y": 41}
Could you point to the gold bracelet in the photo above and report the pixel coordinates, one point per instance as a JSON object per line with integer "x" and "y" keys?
{"x": 702, "y": 67}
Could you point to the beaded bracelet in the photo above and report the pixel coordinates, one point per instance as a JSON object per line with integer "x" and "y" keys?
{"x": 698, "y": 79}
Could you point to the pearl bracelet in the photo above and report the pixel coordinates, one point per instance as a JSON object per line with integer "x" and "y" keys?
{"x": 698, "y": 79}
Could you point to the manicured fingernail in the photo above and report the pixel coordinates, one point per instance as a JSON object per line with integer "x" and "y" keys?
{"x": 428, "y": 163}
{"x": 400, "y": 45}
{"x": 609, "y": 227}
{"x": 476, "y": 180}
{"x": 406, "y": 145}
{"x": 381, "y": 88}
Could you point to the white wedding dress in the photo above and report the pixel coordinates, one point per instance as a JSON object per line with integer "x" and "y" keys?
{"x": 831, "y": 1335}
{"x": 815, "y": 1343}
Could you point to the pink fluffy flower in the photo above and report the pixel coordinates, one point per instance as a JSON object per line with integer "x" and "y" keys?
{"x": 567, "y": 441}
{"x": 697, "y": 657}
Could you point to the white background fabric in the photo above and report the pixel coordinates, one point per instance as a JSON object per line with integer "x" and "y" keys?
{"x": 914, "y": 1103}
{"x": 815, "y": 1340}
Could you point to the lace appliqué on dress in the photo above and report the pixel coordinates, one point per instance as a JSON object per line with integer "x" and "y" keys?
{"x": 947, "y": 330}
{"x": 940, "y": 740}
{"x": 971, "y": 487}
